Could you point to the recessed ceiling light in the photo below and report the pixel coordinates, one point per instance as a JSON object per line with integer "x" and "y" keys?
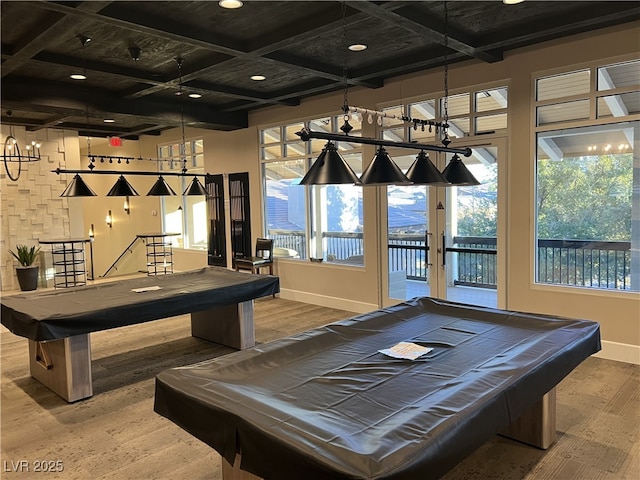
{"x": 78, "y": 76}
{"x": 194, "y": 95}
{"x": 230, "y": 3}
{"x": 109, "y": 120}
{"x": 258, "y": 78}
{"x": 512, "y": 2}
{"x": 357, "y": 47}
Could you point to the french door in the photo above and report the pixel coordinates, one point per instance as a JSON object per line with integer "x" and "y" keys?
{"x": 449, "y": 242}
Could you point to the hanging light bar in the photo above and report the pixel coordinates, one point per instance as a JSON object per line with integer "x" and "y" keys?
{"x": 58, "y": 171}
{"x": 307, "y": 134}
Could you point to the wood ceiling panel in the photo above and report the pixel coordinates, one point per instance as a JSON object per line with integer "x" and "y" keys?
{"x": 300, "y": 46}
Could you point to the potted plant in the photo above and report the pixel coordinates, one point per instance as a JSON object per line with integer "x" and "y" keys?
{"x": 27, "y": 272}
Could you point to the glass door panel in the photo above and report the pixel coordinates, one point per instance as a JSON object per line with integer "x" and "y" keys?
{"x": 469, "y": 265}
{"x": 407, "y": 241}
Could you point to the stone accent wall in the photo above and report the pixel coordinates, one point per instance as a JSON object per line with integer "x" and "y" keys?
{"x": 31, "y": 207}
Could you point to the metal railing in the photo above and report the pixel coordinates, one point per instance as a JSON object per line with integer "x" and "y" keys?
{"x": 586, "y": 263}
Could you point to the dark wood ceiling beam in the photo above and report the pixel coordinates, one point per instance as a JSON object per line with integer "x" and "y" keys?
{"x": 411, "y": 19}
{"x": 67, "y": 97}
{"x": 299, "y": 91}
{"x": 331, "y": 73}
{"x": 49, "y": 35}
{"x": 92, "y": 65}
{"x": 547, "y": 30}
{"x": 50, "y": 122}
{"x": 204, "y": 87}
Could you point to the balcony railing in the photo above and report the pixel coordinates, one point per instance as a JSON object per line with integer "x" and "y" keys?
{"x": 605, "y": 265}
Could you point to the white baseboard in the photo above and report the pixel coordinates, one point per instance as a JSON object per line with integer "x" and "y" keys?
{"x": 620, "y": 352}
{"x": 327, "y": 301}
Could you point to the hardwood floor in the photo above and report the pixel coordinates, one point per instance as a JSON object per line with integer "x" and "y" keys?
{"x": 116, "y": 435}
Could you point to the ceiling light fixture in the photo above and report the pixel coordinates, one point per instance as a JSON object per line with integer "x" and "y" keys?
{"x": 258, "y": 78}
{"x": 330, "y": 169}
{"x": 77, "y": 188}
{"x": 195, "y": 188}
{"x": 423, "y": 172}
{"x": 78, "y": 76}
{"x": 122, "y": 188}
{"x": 12, "y": 152}
{"x": 109, "y": 120}
{"x": 382, "y": 171}
{"x": 161, "y": 189}
{"x": 357, "y": 47}
{"x": 230, "y": 4}
{"x": 195, "y": 95}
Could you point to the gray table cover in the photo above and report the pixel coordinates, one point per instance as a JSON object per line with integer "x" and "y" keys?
{"x": 325, "y": 404}
{"x": 61, "y": 313}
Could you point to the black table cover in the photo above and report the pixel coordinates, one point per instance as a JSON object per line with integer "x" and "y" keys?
{"x": 325, "y": 404}
{"x": 58, "y": 314}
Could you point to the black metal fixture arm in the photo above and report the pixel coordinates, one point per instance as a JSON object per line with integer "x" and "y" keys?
{"x": 307, "y": 134}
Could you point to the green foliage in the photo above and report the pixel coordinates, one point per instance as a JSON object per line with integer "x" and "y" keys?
{"x": 25, "y": 255}
{"x": 585, "y": 198}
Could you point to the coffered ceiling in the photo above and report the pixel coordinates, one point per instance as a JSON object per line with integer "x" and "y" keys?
{"x": 132, "y": 75}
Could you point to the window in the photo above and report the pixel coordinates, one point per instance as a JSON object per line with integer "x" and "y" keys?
{"x": 322, "y": 221}
{"x": 585, "y": 198}
{"x": 186, "y": 215}
{"x": 469, "y": 113}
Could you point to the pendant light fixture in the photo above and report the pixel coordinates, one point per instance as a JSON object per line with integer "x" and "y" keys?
{"x": 195, "y": 188}
{"x": 161, "y": 189}
{"x": 423, "y": 172}
{"x": 456, "y": 173}
{"x": 77, "y": 188}
{"x": 330, "y": 169}
{"x": 383, "y": 171}
{"x": 122, "y": 188}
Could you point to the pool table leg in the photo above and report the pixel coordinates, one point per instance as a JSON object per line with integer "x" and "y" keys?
{"x": 230, "y": 325}
{"x": 233, "y": 472}
{"x": 536, "y": 426}
{"x": 63, "y": 366}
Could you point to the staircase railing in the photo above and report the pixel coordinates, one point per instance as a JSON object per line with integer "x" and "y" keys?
{"x": 127, "y": 250}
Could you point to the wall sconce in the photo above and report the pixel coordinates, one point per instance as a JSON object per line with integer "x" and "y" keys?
{"x": 109, "y": 219}
{"x": 126, "y": 206}
{"x": 92, "y": 234}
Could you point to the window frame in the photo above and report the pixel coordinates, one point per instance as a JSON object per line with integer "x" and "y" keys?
{"x": 592, "y": 96}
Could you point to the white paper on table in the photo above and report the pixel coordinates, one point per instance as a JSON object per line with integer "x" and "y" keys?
{"x": 406, "y": 350}
{"x": 146, "y": 289}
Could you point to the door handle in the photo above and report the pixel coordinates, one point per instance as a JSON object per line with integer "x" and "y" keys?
{"x": 427, "y": 247}
{"x": 444, "y": 251}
